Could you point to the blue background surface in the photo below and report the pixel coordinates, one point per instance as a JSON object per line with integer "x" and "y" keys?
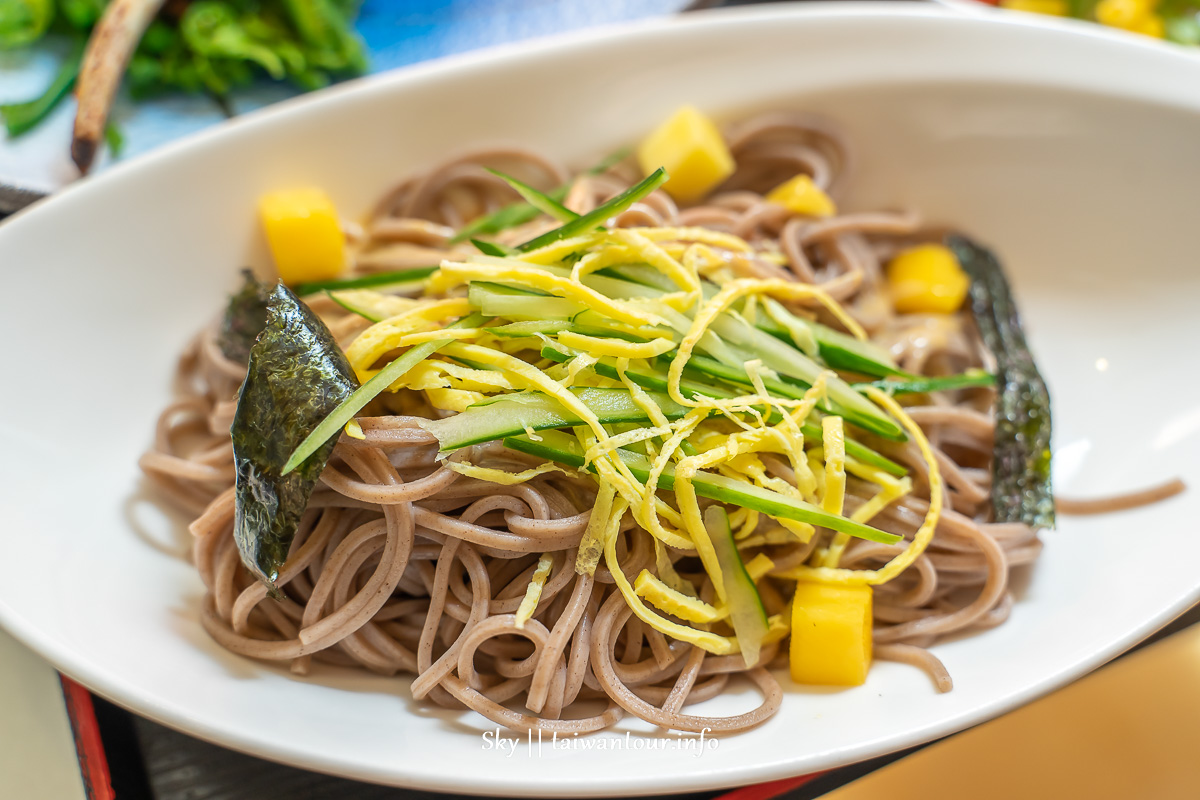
{"x": 397, "y": 33}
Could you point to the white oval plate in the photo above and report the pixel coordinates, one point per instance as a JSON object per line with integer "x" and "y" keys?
{"x": 1089, "y": 193}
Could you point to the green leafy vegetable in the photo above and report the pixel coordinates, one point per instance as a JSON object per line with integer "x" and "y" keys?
{"x": 245, "y": 317}
{"x": 114, "y": 139}
{"x": 23, "y": 117}
{"x": 211, "y": 28}
{"x": 332, "y": 423}
{"x": 297, "y": 375}
{"x": 1183, "y": 29}
{"x": 82, "y": 14}
{"x": 210, "y": 46}
{"x": 1021, "y": 488}
{"x": 24, "y": 21}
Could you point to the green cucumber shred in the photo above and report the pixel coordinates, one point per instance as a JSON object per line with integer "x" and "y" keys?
{"x": 746, "y": 611}
{"x": 564, "y": 449}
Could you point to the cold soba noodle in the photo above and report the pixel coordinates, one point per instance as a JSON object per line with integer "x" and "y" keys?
{"x": 401, "y": 564}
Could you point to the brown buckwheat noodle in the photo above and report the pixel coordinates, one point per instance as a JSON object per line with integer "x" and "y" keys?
{"x": 401, "y": 565}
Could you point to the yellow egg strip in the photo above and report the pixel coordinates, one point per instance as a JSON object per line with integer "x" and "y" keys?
{"x": 746, "y": 441}
{"x": 375, "y": 341}
{"x": 705, "y": 262}
{"x": 619, "y": 348}
{"x": 636, "y": 493}
{"x": 557, "y": 251}
{"x": 701, "y": 235}
{"x": 705, "y": 640}
{"x": 759, "y": 566}
{"x": 434, "y": 373}
{"x": 599, "y": 259}
{"x": 610, "y": 468}
{"x": 924, "y": 534}
{"x": 666, "y": 570}
{"x": 887, "y": 494}
{"x": 746, "y": 525}
{"x": 790, "y": 434}
{"x": 533, "y": 593}
{"x": 500, "y": 476}
{"x": 834, "y": 440}
{"x": 591, "y": 546}
{"x": 673, "y": 602}
{"x": 575, "y": 367}
{"x": 869, "y": 473}
{"x": 532, "y": 377}
{"x": 643, "y": 400}
{"x": 773, "y": 536}
{"x": 623, "y": 440}
{"x": 645, "y": 512}
{"x": 454, "y": 399}
{"x": 409, "y": 339}
{"x": 778, "y": 626}
{"x": 643, "y": 245}
{"x": 729, "y": 294}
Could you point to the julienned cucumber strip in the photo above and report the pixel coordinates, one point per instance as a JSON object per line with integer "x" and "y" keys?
{"x": 746, "y": 611}
{"x": 783, "y": 358}
{"x": 520, "y": 213}
{"x": 943, "y": 383}
{"x": 597, "y": 216}
{"x": 564, "y": 449}
{"x": 779, "y": 356}
{"x": 517, "y": 330}
{"x": 332, "y": 424}
{"x": 543, "y": 202}
{"x": 511, "y": 414}
{"x": 790, "y": 362}
{"x": 838, "y": 350}
{"x": 404, "y": 278}
{"x": 496, "y": 300}
{"x": 793, "y": 390}
{"x": 492, "y": 248}
{"x": 353, "y": 308}
{"x": 656, "y": 381}
{"x": 503, "y": 218}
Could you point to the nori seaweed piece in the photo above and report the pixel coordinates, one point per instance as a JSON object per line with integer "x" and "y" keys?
{"x": 296, "y": 377}
{"x": 1021, "y": 487}
{"x": 245, "y": 317}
